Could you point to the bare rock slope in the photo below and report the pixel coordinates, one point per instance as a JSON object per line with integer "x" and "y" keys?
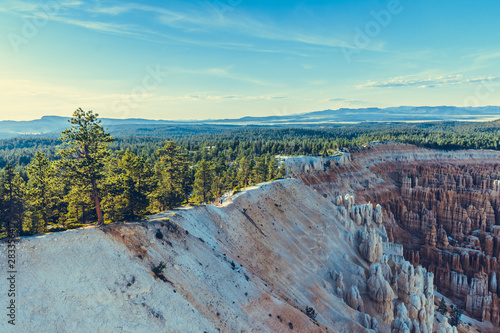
{"x": 279, "y": 257}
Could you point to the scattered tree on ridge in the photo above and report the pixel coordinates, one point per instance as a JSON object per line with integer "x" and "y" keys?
{"x": 87, "y": 149}
{"x": 203, "y": 179}
{"x": 442, "y": 309}
{"x": 41, "y": 193}
{"x": 455, "y": 315}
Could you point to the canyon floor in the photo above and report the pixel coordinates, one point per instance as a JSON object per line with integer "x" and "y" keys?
{"x": 352, "y": 243}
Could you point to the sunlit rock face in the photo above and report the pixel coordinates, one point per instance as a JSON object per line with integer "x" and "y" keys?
{"x": 354, "y": 244}
{"x": 443, "y": 207}
{"x": 275, "y": 258}
{"x": 353, "y": 299}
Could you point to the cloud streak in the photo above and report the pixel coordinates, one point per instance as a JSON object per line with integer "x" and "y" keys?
{"x": 346, "y": 101}
{"x": 430, "y": 82}
{"x": 221, "y": 72}
{"x": 190, "y": 20}
{"x": 219, "y": 98}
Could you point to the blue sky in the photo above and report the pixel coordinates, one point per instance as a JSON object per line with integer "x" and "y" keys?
{"x": 233, "y": 58}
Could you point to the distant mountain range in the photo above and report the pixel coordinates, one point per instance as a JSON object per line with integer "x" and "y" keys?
{"x": 53, "y": 125}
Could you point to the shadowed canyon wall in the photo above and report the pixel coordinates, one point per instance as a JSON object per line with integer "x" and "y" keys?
{"x": 444, "y": 207}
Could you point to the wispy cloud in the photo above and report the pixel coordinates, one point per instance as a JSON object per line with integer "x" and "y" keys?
{"x": 221, "y": 72}
{"x": 111, "y": 10}
{"x": 115, "y": 28}
{"x": 486, "y": 56}
{"x": 176, "y": 19}
{"x": 219, "y": 98}
{"x": 191, "y": 18}
{"x": 429, "y": 82}
{"x": 18, "y": 88}
{"x": 34, "y": 7}
{"x": 346, "y": 101}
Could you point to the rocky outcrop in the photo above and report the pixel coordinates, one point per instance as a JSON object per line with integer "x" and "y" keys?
{"x": 381, "y": 292}
{"x": 402, "y": 324}
{"x": 371, "y": 245}
{"x": 390, "y": 278}
{"x": 444, "y": 326}
{"x": 353, "y": 299}
{"x": 415, "y": 288}
{"x": 338, "y": 280}
{"x": 454, "y": 209}
{"x": 366, "y": 214}
{"x": 370, "y": 323}
{"x": 480, "y": 302}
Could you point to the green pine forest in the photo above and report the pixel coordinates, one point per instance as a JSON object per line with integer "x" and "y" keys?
{"x": 89, "y": 176}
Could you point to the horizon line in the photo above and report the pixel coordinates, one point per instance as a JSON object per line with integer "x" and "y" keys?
{"x": 267, "y": 116}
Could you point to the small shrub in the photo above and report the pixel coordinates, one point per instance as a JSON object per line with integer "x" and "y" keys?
{"x": 158, "y": 234}
{"x": 58, "y": 229}
{"x": 455, "y": 315}
{"x": 443, "y": 309}
{"x": 311, "y": 313}
{"x": 77, "y": 225}
{"x": 159, "y": 269}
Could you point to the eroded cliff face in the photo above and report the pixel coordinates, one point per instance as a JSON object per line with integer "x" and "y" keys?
{"x": 361, "y": 238}
{"x": 443, "y": 207}
{"x": 254, "y": 264}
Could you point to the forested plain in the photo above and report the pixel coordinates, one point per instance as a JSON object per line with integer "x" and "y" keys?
{"x": 51, "y": 183}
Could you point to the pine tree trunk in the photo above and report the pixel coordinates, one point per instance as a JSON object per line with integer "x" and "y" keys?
{"x": 12, "y": 222}
{"x": 100, "y": 219}
{"x": 44, "y": 213}
{"x": 11, "y": 203}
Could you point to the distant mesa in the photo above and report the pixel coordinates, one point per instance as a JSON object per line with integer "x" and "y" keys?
{"x": 53, "y": 125}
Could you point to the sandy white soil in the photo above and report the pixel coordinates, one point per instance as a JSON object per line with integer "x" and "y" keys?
{"x": 252, "y": 265}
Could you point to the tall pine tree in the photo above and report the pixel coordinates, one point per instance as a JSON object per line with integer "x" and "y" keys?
{"x": 203, "y": 182}
{"x": 13, "y": 200}
{"x": 128, "y": 184}
{"x": 41, "y": 193}
{"x": 87, "y": 147}
{"x": 171, "y": 172}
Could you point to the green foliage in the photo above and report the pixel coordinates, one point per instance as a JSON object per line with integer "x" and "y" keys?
{"x": 87, "y": 147}
{"x": 172, "y": 176}
{"x": 443, "y": 309}
{"x": 455, "y": 315}
{"x": 272, "y": 167}
{"x": 244, "y": 171}
{"x": 42, "y": 194}
{"x": 311, "y": 313}
{"x": 78, "y": 202}
{"x": 203, "y": 179}
{"x": 140, "y": 172}
{"x": 12, "y": 203}
{"x": 260, "y": 170}
{"x": 128, "y": 182}
{"x": 76, "y": 225}
{"x": 158, "y": 269}
{"x": 282, "y": 172}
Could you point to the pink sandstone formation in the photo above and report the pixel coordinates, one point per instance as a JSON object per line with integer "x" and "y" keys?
{"x": 443, "y": 207}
